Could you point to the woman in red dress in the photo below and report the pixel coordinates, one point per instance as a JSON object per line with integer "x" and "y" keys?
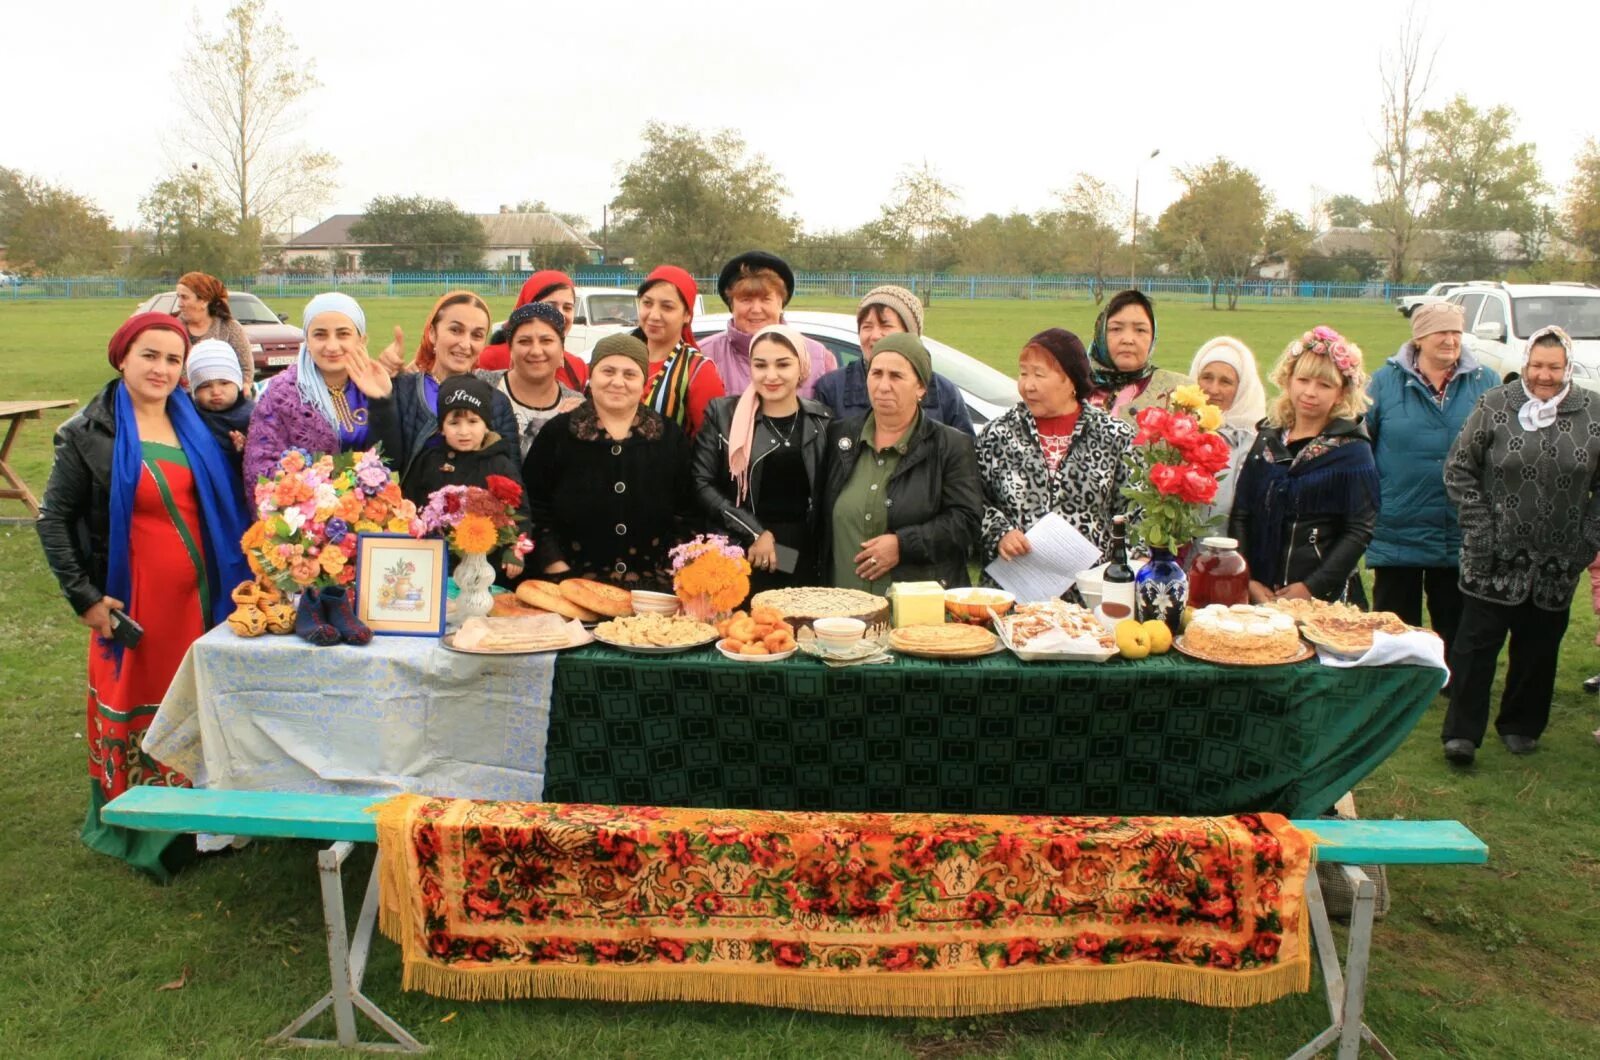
{"x": 142, "y": 518}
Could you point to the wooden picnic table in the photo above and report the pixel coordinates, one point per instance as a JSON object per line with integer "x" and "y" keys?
{"x": 12, "y": 413}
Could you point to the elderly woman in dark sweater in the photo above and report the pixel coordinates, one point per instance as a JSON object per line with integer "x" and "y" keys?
{"x": 1525, "y": 477}
{"x": 608, "y": 482}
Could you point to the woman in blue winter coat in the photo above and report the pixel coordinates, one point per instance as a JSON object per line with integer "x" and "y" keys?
{"x": 1420, "y": 398}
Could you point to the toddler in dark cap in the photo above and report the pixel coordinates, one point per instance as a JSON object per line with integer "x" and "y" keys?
{"x": 467, "y": 451}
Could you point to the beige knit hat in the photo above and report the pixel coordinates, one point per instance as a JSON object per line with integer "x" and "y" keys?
{"x": 907, "y": 306}
{"x": 1436, "y": 316}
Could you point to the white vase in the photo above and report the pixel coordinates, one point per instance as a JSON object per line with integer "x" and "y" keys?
{"x": 473, "y": 576}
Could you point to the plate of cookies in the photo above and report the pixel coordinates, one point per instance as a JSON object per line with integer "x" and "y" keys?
{"x": 655, "y": 634}
{"x": 759, "y": 637}
{"x": 952, "y": 640}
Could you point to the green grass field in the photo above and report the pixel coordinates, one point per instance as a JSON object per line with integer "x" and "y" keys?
{"x": 1494, "y": 961}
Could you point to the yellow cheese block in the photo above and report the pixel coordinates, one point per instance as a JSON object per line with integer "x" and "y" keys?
{"x": 917, "y": 604}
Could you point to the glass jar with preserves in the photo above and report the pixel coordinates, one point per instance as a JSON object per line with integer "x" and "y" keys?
{"x": 1219, "y": 574}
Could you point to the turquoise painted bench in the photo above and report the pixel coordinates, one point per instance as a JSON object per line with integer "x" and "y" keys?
{"x": 343, "y": 821}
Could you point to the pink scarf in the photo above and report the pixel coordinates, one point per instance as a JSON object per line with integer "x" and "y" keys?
{"x": 742, "y": 434}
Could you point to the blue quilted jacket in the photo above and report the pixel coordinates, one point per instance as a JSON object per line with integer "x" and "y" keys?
{"x": 1411, "y": 436}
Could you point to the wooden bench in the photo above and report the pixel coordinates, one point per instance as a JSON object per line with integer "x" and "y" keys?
{"x": 343, "y": 821}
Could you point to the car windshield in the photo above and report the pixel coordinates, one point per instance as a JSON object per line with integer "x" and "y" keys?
{"x": 613, "y": 309}
{"x": 1577, "y": 315}
{"x": 972, "y": 375}
{"x": 248, "y": 309}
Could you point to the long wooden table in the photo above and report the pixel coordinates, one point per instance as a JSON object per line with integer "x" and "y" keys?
{"x": 12, "y": 413}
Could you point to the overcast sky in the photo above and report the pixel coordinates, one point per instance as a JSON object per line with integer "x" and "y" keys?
{"x": 487, "y": 103}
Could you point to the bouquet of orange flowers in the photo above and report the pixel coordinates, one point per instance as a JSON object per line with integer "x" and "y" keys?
{"x": 476, "y": 521}
{"x": 710, "y": 575}
{"x": 312, "y": 508}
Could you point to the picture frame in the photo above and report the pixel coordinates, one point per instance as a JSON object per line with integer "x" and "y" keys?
{"x": 400, "y": 584}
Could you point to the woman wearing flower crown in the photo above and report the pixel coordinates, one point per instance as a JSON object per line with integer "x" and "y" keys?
{"x": 1307, "y": 496}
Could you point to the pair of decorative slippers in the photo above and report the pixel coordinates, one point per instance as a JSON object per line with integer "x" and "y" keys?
{"x": 322, "y": 617}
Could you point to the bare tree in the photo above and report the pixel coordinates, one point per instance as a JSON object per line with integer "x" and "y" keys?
{"x": 920, "y": 214}
{"x": 240, "y": 91}
{"x": 1090, "y": 220}
{"x": 1400, "y": 203}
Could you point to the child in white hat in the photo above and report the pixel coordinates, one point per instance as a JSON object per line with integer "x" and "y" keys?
{"x": 217, "y": 387}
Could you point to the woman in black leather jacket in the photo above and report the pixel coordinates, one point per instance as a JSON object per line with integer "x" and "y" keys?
{"x": 758, "y": 463}
{"x": 1307, "y": 497}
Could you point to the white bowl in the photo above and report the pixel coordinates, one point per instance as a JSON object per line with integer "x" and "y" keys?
{"x": 838, "y": 633}
{"x": 1089, "y": 582}
{"x": 648, "y": 603}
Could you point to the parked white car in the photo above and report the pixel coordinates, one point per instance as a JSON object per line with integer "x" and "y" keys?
{"x": 1407, "y": 304}
{"x": 988, "y": 392}
{"x": 1499, "y": 318}
{"x": 602, "y": 311}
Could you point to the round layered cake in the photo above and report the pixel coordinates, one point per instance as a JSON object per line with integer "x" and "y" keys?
{"x": 803, "y": 605}
{"x": 1242, "y": 633}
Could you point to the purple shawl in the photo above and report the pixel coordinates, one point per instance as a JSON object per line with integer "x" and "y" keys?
{"x": 282, "y": 421}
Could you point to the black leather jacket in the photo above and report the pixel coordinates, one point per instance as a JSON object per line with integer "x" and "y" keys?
{"x": 1324, "y": 551}
{"x": 713, "y": 486}
{"x": 75, "y": 519}
{"x": 935, "y": 501}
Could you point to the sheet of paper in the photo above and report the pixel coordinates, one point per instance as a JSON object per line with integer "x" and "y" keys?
{"x": 1057, "y": 553}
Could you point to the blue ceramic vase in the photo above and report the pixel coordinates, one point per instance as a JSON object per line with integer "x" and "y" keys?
{"x": 1161, "y": 589}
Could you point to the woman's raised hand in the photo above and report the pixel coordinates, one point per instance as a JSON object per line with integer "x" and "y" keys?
{"x": 393, "y": 357}
{"x": 368, "y": 375}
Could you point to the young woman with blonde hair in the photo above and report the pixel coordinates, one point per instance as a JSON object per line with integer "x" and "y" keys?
{"x": 1307, "y": 496}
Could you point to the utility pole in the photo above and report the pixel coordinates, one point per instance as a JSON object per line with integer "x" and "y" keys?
{"x": 1133, "y": 243}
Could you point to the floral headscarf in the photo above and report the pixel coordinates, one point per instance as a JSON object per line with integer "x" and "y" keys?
{"x": 1107, "y": 376}
{"x": 1538, "y": 413}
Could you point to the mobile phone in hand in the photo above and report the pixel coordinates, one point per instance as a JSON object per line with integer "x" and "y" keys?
{"x": 124, "y": 630}
{"x": 787, "y": 558}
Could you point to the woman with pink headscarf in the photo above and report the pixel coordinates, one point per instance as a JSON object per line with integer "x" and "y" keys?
{"x": 758, "y": 462}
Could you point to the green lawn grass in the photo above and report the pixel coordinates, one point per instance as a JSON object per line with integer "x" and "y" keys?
{"x": 1493, "y": 961}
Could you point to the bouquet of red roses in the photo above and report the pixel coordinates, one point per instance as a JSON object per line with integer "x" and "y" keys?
{"x": 1177, "y": 458}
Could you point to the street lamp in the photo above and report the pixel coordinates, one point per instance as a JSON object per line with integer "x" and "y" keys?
{"x": 1133, "y": 244}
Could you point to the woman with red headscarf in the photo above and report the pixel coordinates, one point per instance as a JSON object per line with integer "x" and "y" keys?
{"x": 203, "y": 308}
{"x": 681, "y": 381}
{"x": 555, "y": 287}
{"x": 141, "y": 526}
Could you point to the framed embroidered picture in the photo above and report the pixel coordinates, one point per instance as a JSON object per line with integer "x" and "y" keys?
{"x": 400, "y": 584}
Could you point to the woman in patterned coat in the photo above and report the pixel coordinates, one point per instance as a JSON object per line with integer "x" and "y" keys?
{"x": 1525, "y": 477}
{"x": 1052, "y": 452}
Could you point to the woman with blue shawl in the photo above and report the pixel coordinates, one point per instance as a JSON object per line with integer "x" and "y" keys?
{"x": 142, "y": 517}
{"x": 1121, "y": 358}
{"x": 333, "y": 399}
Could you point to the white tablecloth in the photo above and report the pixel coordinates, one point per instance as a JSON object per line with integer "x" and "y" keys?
{"x": 400, "y": 714}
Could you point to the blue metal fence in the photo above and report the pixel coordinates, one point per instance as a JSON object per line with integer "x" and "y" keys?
{"x": 852, "y": 285}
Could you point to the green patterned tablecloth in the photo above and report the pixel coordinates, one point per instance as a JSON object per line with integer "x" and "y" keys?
{"x": 1166, "y": 735}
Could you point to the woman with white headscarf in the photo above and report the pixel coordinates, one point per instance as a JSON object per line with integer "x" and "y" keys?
{"x": 1525, "y": 477}
{"x": 1226, "y": 370}
{"x": 334, "y": 398}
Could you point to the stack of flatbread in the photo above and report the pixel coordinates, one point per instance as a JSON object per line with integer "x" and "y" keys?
{"x": 512, "y": 635}
{"x": 953, "y": 640}
{"x": 1341, "y": 628}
